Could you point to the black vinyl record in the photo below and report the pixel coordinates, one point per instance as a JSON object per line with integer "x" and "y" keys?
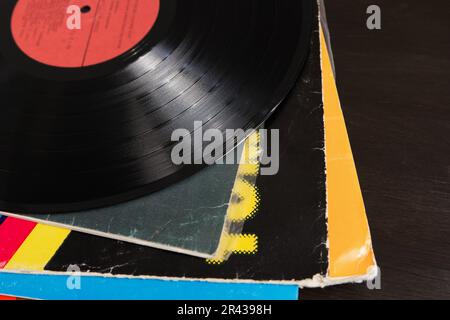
{"x": 84, "y": 125}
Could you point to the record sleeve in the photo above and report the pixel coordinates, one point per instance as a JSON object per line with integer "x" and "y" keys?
{"x": 295, "y": 237}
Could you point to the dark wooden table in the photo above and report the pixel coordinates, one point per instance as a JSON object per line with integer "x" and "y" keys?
{"x": 394, "y": 85}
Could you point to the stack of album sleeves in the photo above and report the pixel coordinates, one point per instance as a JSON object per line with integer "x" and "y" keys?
{"x": 98, "y": 200}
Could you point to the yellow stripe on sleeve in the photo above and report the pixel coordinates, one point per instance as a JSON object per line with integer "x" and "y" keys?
{"x": 37, "y": 250}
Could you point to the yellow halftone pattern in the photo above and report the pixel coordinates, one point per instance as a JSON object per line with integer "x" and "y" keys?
{"x": 246, "y": 201}
{"x": 243, "y": 205}
{"x": 245, "y": 198}
{"x": 249, "y": 164}
{"x": 238, "y": 244}
{"x": 244, "y": 243}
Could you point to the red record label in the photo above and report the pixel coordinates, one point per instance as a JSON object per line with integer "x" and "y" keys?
{"x": 80, "y": 33}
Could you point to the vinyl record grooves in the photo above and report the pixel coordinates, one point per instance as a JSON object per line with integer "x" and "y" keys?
{"x": 76, "y": 137}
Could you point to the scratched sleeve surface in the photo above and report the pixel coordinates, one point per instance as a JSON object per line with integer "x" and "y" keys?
{"x": 188, "y": 216}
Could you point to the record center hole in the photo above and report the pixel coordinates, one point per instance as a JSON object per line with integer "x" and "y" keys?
{"x": 86, "y": 9}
